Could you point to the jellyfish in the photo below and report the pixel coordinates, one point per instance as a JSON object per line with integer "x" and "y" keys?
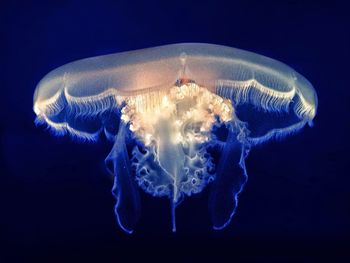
{"x": 181, "y": 117}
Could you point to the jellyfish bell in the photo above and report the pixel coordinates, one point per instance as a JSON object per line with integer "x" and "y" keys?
{"x": 181, "y": 117}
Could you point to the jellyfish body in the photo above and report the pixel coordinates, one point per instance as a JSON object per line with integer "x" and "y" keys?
{"x": 181, "y": 117}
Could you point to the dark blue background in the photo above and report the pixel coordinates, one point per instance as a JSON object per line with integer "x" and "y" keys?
{"x": 55, "y": 194}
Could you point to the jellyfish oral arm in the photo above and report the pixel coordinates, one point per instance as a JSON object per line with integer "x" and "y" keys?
{"x": 173, "y": 130}
{"x": 127, "y": 208}
{"x": 231, "y": 176}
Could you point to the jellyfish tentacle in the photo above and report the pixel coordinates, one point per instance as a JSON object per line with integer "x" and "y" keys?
{"x": 127, "y": 208}
{"x": 231, "y": 177}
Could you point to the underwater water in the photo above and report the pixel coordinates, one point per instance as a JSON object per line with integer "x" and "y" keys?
{"x": 56, "y": 196}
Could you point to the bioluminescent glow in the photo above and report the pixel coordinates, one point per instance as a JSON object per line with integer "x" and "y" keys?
{"x": 181, "y": 117}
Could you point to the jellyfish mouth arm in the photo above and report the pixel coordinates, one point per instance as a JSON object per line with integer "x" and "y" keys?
{"x": 171, "y": 159}
{"x": 231, "y": 176}
{"x": 173, "y": 129}
{"x": 127, "y": 208}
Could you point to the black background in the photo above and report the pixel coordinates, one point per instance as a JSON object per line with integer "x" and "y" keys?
{"x": 55, "y": 201}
